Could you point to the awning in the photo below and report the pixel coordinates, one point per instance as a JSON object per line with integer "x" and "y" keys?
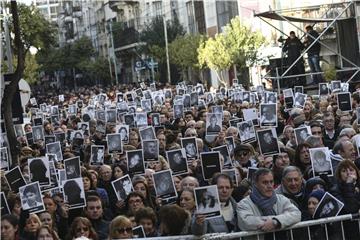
{"x": 276, "y": 16}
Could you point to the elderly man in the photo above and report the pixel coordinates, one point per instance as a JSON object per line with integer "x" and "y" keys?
{"x": 189, "y": 183}
{"x": 293, "y": 187}
{"x": 345, "y": 149}
{"x": 227, "y": 222}
{"x": 265, "y": 210}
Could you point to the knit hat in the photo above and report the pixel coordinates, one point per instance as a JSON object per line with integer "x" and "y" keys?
{"x": 318, "y": 194}
{"x": 310, "y": 183}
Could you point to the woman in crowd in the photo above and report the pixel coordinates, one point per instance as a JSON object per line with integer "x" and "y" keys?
{"x": 81, "y": 227}
{"x": 46, "y": 233}
{"x": 89, "y": 186}
{"x": 32, "y": 225}
{"x": 187, "y": 201}
{"x": 141, "y": 186}
{"x": 302, "y": 157}
{"x": 146, "y": 217}
{"x": 348, "y": 191}
{"x": 118, "y": 171}
{"x": 120, "y": 228}
{"x": 9, "y": 227}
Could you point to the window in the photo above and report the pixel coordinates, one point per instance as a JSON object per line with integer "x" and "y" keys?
{"x": 226, "y": 10}
{"x": 190, "y": 14}
{"x": 157, "y": 6}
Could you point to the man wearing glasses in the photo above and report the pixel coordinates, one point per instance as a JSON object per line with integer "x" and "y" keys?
{"x": 330, "y": 134}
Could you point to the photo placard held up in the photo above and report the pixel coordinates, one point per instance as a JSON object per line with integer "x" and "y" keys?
{"x": 207, "y": 201}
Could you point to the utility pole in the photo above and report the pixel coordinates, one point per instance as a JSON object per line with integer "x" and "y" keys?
{"x": 113, "y": 53}
{"x": 167, "y": 50}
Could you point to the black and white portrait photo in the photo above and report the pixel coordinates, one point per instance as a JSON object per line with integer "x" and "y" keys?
{"x": 321, "y": 161}
{"x": 213, "y": 123}
{"x": 207, "y": 201}
{"x": 97, "y": 154}
{"x": 114, "y": 143}
{"x": 209, "y": 97}
{"x": 167, "y": 93}
{"x": 147, "y": 133}
{"x": 72, "y": 168}
{"x": 329, "y": 206}
{"x": 288, "y": 93}
{"x": 111, "y": 116}
{"x": 31, "y": 198}
{"x": 39, "y": 170}
{"x": 119, "y": 97}
{"x": 49, "y": 139}
{"x": 141, "y": 119}
{"x": 177, "y": 161}
{"x": 4, "y": 158}
{"x": 217, "y": 109}
{"x": 270, "y": 97}
{"x": 190, "y": 146}
{"x": 301, "y": 134}
{"x": 129, "y": 119}
{"x": 151, "y": 150}
{"x": 194, "y": 99}
{"x": 100, "y": 115}
{"x": 267, "y": 140}
{"x": 298, "y": 89}
{"x": 164, "y": 184}
{"x": 146, "y": 105}
{"x": 289, "y": 102}
{"x": 15, "y": 179}
{"x": 122, "y": 107}
{"x": 72, "y": 109}
{"x": 19, "y": 130}
{"x": 210, "y": 164}
{"x": 135, "y": 161}
{"x": 251, "y": 114}
{"x": 38, "y": 133}
{"x": 157, "y": 99}
{"x": 268, "y": 117}
{"x": 178, "y": 111}
{"x": 186, "y": 101}
{"x": 344, "y": 101}
{"x": 335, "y": 85}
{"x": 300, "y": 100}
{"x": 246, "y": 131}
{"x": 122, "y": 187}
{"x": 155, "y": 119}
{"x": 123, "y": 130}
{"x": 323, "y": 89}
{"x": 55, "y": 148}
{"x": 230, "y": 144}
{"x": 74, "y": 194}
{"x": 224, "y": 153}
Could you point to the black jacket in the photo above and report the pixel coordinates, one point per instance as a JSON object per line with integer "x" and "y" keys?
{"x": 315, "y": 49}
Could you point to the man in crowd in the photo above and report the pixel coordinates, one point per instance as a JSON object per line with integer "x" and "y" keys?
{"x": 265, "y": 210}
{"x": 94, "y": 212}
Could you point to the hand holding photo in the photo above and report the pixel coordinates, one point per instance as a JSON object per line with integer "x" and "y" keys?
{"x": 207, "y": 201}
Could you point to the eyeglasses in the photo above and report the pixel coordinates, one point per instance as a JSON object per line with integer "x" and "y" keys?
{"x": 243, "y": 154}
{"x": 123, "y": 230}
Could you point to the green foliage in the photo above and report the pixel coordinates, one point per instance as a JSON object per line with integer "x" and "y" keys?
{"x": 242, "y": 43}
{"x": 96, "y": 70}
{"x": 330, "y": 73}
{"x": 31, "y": 72}
{"x": 238, "y": 45}
{"x": 153, "y": 36}
{"x": 36, "y": 31}
{"x": 183, "y": 51}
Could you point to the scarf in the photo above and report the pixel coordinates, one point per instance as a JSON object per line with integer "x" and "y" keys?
{"x": 265, "y": 204}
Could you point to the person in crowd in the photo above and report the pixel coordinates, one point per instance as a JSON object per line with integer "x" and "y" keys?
{"x": 81, "y": 227}
{"x": 146, "y": 218}
{"x": 313, "y": 53}
{"x": 347, "y": 191}
{"x": 9, "y": 227}
{"x": 134, "y": 202}
{"x": 293, "y": 187}
{"x": 265, "y": 210}
{"x": 330, "y": 133}
{"x": 187, "y": 200}
{"x": 46, "y": 233}
{"x": 32, "y": 225}
{"x": 173, "y": 220}
{"x": 281, "y": 161}
{"x": 120, "y": 228}
{"x": 228, "y": 221}
{"x": 94, "y": 212}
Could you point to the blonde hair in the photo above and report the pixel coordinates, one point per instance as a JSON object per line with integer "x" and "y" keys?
{"x": 119, "y": 221}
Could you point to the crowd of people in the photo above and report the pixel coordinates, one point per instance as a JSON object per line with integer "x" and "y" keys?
{"x": 218, "y": 167}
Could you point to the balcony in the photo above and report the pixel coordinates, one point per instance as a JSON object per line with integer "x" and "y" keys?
{"x": 118, "y": 5}
{"x": 123, "y": 34}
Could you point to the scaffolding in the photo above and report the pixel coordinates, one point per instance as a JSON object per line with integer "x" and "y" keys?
{"x": 347, "y": 10}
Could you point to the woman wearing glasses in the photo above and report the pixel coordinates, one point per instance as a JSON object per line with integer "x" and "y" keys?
{"x": 120, "y": 228}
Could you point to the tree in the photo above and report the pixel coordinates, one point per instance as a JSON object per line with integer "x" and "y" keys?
{"x": 237, "y": 45}
{"x": 214, "y": 54}
{"x": 183, "y": 52}
{"x": 31, "y": 29}
{"x": 31, "y": 71}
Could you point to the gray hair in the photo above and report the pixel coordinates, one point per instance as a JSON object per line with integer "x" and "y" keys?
{"x": 260, "y": 172}
{"x": 290, "y": 169}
